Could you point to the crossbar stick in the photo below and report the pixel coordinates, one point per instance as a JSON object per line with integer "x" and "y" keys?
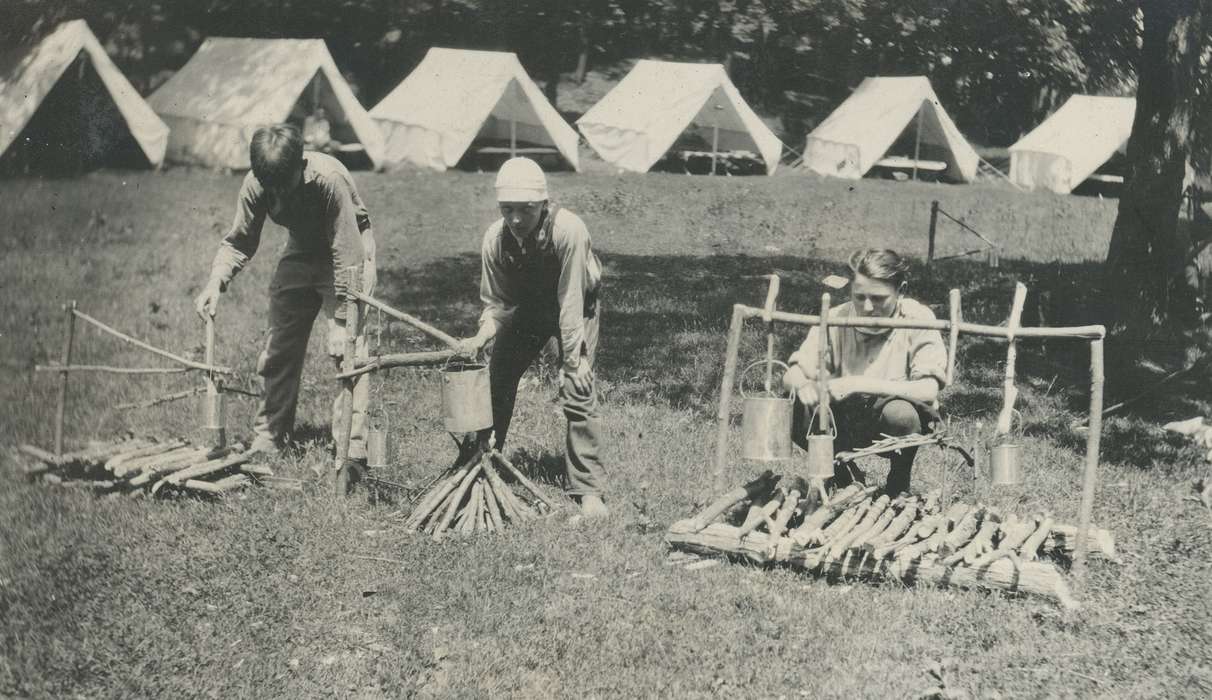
{"x": 407, "y": 318}
{"x": 150, "y": 348}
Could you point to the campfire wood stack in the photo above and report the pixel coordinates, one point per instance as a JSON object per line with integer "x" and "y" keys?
{"x": 145, "y": 464}
{"x": 861, "y": 532}
{"x": 474, "y": 496}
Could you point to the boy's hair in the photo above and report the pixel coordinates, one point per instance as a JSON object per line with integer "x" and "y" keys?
{"x": 275, "y": 153}
{"x": 880, "y": 264}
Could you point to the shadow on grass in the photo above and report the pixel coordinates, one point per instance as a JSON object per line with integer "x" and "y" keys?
{"x": 665, "y": 319}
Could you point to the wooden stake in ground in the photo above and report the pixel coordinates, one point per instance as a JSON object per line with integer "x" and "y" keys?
{"x": 353, "y": 310}
{"x": 216, "y": 431}
{"x": 61, "y": 408}
{"x": 1010, "y": 391}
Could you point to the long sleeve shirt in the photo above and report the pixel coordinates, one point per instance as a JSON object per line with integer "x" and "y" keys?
{"x": 901, "y": 354}
{"x": 548, "y": 284}
{"x": 327, "y": 222}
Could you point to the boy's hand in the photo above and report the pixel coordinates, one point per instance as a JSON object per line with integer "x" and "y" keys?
{"x": 207, "y": 302}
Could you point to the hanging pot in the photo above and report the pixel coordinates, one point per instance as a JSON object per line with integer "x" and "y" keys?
{"x": 820, "y": 451}
{"x": 1005, "y": 458}
{"x": 765, "y": 422}
{"x": 466, "y": 397}
{"x": 378, "y": 444}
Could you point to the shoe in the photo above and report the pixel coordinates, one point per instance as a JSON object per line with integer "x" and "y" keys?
{"x": 592, "y": 508}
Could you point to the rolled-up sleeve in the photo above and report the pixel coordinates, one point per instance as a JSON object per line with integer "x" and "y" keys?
{"x": 498, "y": 299}
{"x": 244, "y": 236}
{"x": 928, "y": 357}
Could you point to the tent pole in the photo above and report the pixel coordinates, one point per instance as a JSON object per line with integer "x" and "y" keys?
{"x": 917, "y": 142}
{"x": 715, "y": 146}
{"x": 513, "y": 138}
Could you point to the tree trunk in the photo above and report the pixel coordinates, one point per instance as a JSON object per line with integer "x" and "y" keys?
{"x": 582, "y": 53}
{"x": 1144, "y": 254}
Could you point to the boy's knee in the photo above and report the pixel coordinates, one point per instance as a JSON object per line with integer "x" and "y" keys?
{"x": 900, "y": 418}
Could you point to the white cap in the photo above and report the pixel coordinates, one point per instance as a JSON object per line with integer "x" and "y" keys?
{"x": 521, "y": 180}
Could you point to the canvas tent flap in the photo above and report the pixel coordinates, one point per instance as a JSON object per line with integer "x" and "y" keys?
{"x": 1067, "y": 147}
{"x": 433, "y": 116}
{"x": 27, "y": 77}
{"x": 641, "y": 118}
{"x": 862, "y": 129}
{"x": 232, "y": 86}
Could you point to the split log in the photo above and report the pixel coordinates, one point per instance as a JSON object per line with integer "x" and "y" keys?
{"x": 914, "y": 533}
{"x": 1030, "y": 548}
{"x": 812, "y": 525}
{"x": 759, "y": 515}
{"x": 178, "y": 463}
{"x": 980, "y": 545}
{"x": 500, "y": 459}
{"x": 795, "y": 491}
{"x": 926, "y": 546}
{"x": 120, "y": 460}
{"x": 1014, "y": 533}
{"x": 1063, "y": 540}
{"x": 844, "y": 524}
{"x": 213, "y": 466}
{"x": 495, "y": 518}
{"x": 448, "y": 516}
{"x": 881, "y": 524}
{"x": 841, "y": 542}
{"x": 899, "y": 525}
{"x": 1034, "y": 578}
{"x": 962, "y": 532}
{"x": 228, "y": 483}
{"x": 500, "y": 490}
{"x": 173, "y": 453}
{"x": 751, "y": 491}
{"x": 436, "y": 495}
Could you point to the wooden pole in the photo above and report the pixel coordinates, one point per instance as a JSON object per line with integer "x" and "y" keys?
{"x": 216, "y": 430}
{"x": 953, "y": 303}
{"x": 513, "y": 138}
{"x": 917, "y": 140}
{"x": 61, "y": 407}
{"x": 933, "y": 231}
{"x": 353, "y": 309}
{"x": 407, "y": 318}
{"x": 822, "y": 369}
{"x": 724, "y": 418}
{"x": 1009, "y": 390}
{"x": 106, "y": 369}
{"x": 1090, "y": 477}
{"x": 772, "y": 295}
{"x": 148, "y": 347}
{"x": 715, "y": 146}
{"x": 1082, "y": 332}
{"x": 400, "y": 359}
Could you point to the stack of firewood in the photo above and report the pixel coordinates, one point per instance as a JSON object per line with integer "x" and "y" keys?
{"x": 137, "y": 464}
{"x": 472, "y": 495}
{"x": 861, "y": 532}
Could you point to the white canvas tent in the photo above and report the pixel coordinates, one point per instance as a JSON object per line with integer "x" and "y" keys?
{"x": 456, "y": 96}
{"x": 230, "y": 87}
{"x": 637, "y": 122}
{"x": 64, "y": 101}
{"x": 859, "y": 133}
{"x": 1070, "y": 145}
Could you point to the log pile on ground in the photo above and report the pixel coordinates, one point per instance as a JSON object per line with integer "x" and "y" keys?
{"x": 472, "y": 495}
{"x": 137, "y": 465}
{"x": 863, "y": 533}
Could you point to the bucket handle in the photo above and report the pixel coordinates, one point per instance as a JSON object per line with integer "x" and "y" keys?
{"x": 473, "y": 360}
{"x": 993, "y": 439}
{"x": 741, "y": 379}
{"x": 832, "y": 423}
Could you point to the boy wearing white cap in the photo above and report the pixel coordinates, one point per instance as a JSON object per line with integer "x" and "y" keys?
{"x": 539, "y": 278}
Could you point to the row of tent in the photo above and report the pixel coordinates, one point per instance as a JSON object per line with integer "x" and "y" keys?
{"x": 66, "y": 90}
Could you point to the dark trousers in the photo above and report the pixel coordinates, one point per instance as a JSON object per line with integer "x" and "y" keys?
{"x": 861, "y": 420}
{"x": 516, "y": 347}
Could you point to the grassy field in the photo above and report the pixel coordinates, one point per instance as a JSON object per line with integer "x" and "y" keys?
{"x": 267, "y": 594}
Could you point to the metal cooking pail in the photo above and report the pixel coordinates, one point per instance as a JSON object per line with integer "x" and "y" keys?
{"x": 214, "y": 411}
{"x": 765, "y": 423}
{"x": 466, "y": 397}
{"x": 376, "y": 448}
{"x": 1005, "y": 465}
{"x": 820, "y": 456}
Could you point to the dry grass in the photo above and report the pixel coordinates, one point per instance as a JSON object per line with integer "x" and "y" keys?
{"x": 272, "y": 595}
